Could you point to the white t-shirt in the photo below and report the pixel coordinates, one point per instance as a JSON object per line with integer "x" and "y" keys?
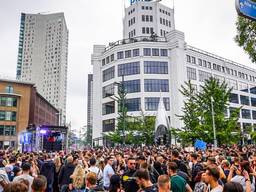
{"x": 26, "y": 177}
{"x": 108, "y": 170}
{"x": 97, "y": 171}
{"x": 219, "y": 188}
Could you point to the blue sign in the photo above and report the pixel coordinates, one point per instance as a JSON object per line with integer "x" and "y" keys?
{"x": 134, "y": 1}
{"x": 199, "y": 144}
{"x": 246, "y": 8}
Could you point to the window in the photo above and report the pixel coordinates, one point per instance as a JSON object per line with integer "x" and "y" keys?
{"x": 164, "y": 52}
{"x": 151, "y": 103}
{"x": 8, "y": 101}
{"x": 120, "y": 55}
{"x": 188, "y": 59}
{"x": 161, "y": 20}
{"x": 9, "y": 89}
{"x": 7, "y": 130}
{"x": 193, "y": 60}
{"x": 143, "y": 30}
{"x": 254, "y": 115}
{"x": 151, "y": 30}
{"x": 246, "y": 114}
{"x": 109, "y": 74}
{"x": 128, "y": 54}
{"x": 204, "y": 75}
{"x": 136, "y": 52}
{"x": 112, "y": 57}
{"x": 155, "y": 67}
{"x": 151, "y": 18}
{"x": 129, "y": 69}
{"x": 200, "y": 62}
{"x": 143, "y": 17}
{"x": 107, "y": 60}
{"x": 156, "y": 85}
{"x": 108, "y": 108}
{"x": 7, "y": 116}
{"x": 132, "y": 104}
{"x": 209, "y": 65}
{"x": 147, "y": 52}
{"x": 253, "y": 90}
{"x": 132, "y": 86}
{"x": 244, "y": 100}
{"x": 155, "y": 52}
{"x": 108, "y": 90}
{"x": 233, "y": 98}
{"x": 191, "y": 73}
{"x": 108, "y": 125}
{"x": 253, "y": 101}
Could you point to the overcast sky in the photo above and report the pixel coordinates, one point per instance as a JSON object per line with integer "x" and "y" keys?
{"x": 207, "y": 24}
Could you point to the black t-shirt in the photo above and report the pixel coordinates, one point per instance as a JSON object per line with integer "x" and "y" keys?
{"x": 152, "y": 188}
{"x": 128, "y": 181}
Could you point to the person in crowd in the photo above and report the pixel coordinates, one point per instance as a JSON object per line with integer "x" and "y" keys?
{"x": 233, "y": 187}
{"x": 196, "y": 168}
{"x": 16, "y": 187}
{"x": 108, "y": 172}
{"x": 48, "y": 170}
{"x": 77, "y": 179}
{"x": 65, "y": 173}
{"x": 211, "y": 177}
{"x": 163, "y": 183}
{"x": 181, "y": 165}
{"x": 143, "y": 180}
{"x": 26, "y": 167}
{"x": 128, "y": 181}
{"x": 91, "y": 180}
{"x": 200, "y": 185}
{"x": 4, "y": 180}
{"x": 178, "y": 184}
{"x": 9, "y": 167}
{"x": 39, "y": 184}
{"x": 115, "y": 184}
{"x": 93, "y": 168}
{"x": 58, "y": 165}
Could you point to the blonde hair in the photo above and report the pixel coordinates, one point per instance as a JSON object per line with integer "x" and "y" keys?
{"x": 78, "y": 177}
{"x": 57, "y": 163}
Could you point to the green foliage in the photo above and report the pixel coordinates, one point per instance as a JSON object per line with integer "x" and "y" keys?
{"x": 197, "y": 113}
{"x": 246, "y": 36}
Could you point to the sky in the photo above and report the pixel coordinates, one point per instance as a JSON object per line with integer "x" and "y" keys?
{"x": 207, "y": 24}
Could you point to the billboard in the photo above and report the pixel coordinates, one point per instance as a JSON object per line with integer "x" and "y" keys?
{"x": 246, "y": 8}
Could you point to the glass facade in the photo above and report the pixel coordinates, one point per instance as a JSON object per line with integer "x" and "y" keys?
{"x": 7, "y": 116}
{"x": 133, "y": 104}
{"x": 254, "y": 115}
{"x": 108, "y": 125}
{"x": 191, "y": 73}
{"x": 8, "y": 101}
{"x": 108, "y": 90}
{"x": 132, "y": 86}
{"x": 108, "y": 108}
{"x": 155, "y": 67}
{"x": 233, "y": 98}
{"x": 7, "y": 130}
{"x": 109, "y": 74}
{"x": 246, "y": 114}
{"x": 156, "y": 85}
{"x": 244, "y": 100}
{"x": 129, "y": 69}
{"x": 151, "y": 103}
{"x": 253, "y": 90}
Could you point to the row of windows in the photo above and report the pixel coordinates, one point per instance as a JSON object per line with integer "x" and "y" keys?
{"x": 147, "y": 18}
{"x": 7, "y": 130}
{"x": 244, "y": 100}
{"x": 134, "y": 104}
{"x": 131, "y": 21}
{"x": 135, "y": 53}
{"x": 164, "y": 12}
{"x": 108, "y": 125}
{"x": 133, "y": 68}
{"x": 245, "y": 113}
{"x": 147, "y": 30}
{"x": 132, "y": 33}
{"x": 165, "y": 22}
{"x": 146, "y": 8}
{"x": 108, "y": 90}
{"x": 7, "y": 116}
{"x": 8, "y": 101}
{"x": 132, "y": 10}
{"x": 163, "y": 32}
{"x": 214, "y": 66}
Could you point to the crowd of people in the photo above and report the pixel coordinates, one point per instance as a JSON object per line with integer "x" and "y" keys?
{"x": 130, "y": 169}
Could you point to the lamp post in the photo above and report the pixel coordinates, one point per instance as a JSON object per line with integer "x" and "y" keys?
{"x": 213, "y": 125}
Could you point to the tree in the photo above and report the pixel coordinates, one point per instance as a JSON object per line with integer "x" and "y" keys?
{"x": 197, "y": 113}
{"x": 246, "y": 36}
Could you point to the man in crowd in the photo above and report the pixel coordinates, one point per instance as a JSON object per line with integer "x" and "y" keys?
{"x": 39, "y": 184}
{"x": 108, "y": 172}
{"x": 211, "y": 177}
{"x": 128, "y": 181}
{"x": 163, "y": 183}
{"x": 143, "y": 180}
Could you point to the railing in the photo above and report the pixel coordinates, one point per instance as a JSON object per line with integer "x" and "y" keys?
{"x": 151, "y": 38}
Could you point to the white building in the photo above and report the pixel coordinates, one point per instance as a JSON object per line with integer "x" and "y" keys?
{"x": 43, "y": 56}
{"x": 151, "y": 65}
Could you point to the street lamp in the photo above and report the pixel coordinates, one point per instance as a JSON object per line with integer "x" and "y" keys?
{"x": 213, "y": 125}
